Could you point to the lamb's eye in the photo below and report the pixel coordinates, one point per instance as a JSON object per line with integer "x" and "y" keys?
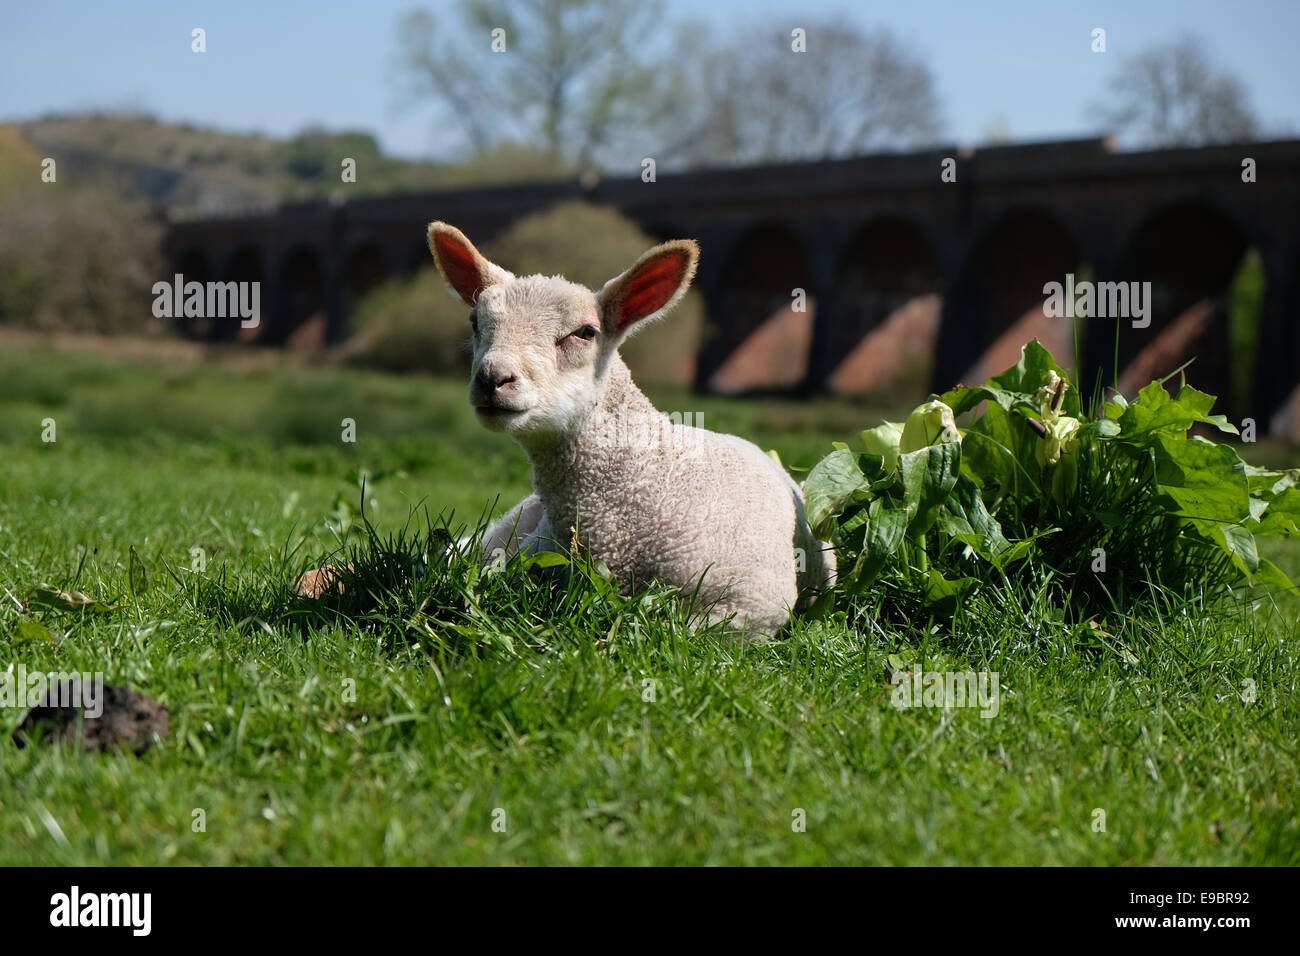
{"x": 586, "y": 332}
{"x": 473, "y": 322}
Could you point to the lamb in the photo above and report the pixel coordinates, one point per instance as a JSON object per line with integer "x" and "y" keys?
{"x": 654, "y": 500}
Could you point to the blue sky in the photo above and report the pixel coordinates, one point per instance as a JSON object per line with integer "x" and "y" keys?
{"x": 278, "y": 66}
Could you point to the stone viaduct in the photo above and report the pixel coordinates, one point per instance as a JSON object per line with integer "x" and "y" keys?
{"x": 864, "y": 237}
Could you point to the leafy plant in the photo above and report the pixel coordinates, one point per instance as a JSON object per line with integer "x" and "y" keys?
{"x": 1035, "y": 495}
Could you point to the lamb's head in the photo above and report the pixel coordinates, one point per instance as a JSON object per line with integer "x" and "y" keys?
{"x": 544, "y": 347}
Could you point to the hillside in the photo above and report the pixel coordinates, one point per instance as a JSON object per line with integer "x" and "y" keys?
{"x": 192, "y": 171}
{"x": 20, "y": 163}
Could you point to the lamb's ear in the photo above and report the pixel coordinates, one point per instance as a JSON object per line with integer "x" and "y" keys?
{"x": 463, "y": 266}
{"x": 651, "y": 287}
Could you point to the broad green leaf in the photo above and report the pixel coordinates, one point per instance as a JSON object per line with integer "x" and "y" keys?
{"x": 1002, "y": 446}
{"x": 831, "y": 482}
{"x": 944, "y": 594}
{"x": 873, "y": 467}
{"x": 988, "y": 447}
{"x": 966, "y": 499}
{"x": 886, "y": 529}
{"x": 1198, "y": 403}
{"x": 852, "y": 518}
{"x": 1155, "y": 411}
{"x": 928, "y": 476}
{"x": 1100, "y": 428}
{"x": 1032, "y": 372}
{"x": 954, "y": 524}
{"x": 1018, "y": 551}
{"x": 1270, "y": 576}
{"x": 1016, "y": 385}
{"x": 965, "y": 397}
{"x": 1240, "y": 545}
{"x": 1281, "y": 517}
{"x": 1207, "y": 481}
{"x": 1268, "y": 483}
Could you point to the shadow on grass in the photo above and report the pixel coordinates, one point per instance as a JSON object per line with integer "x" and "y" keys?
{"x": 425, "y": 584}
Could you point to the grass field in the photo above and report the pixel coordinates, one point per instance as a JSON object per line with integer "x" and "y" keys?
{"x": 586, "y": 727}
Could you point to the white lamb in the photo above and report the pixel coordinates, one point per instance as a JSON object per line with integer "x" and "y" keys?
{"x": 654, "y": 500}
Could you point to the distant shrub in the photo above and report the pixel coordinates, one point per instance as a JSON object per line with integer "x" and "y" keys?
{"x": 416, "y": 325}
{"x": 411, "y": 325}
{"x": 592, "y": 244}
{"x": 76, "y": 259}
{"x": 20, "y": 164}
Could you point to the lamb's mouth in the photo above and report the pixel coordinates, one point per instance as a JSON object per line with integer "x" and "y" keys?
{"x": 498, "y": 413}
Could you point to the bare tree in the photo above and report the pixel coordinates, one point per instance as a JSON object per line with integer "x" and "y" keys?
{"x": 759, "y": 97}
{"x": 567, "y": 75}
{"x": 1172, "y": 95}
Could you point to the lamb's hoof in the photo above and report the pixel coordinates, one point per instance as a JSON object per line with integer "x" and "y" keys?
{"x": 315, "y": 583}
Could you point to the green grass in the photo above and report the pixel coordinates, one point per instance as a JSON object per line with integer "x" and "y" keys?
{"x": 527, "y": 695}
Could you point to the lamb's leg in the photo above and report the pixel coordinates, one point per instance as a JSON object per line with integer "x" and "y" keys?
{"x": 514, "y": 531}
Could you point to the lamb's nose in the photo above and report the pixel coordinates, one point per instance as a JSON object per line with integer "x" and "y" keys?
{"x": 493, "y": 382}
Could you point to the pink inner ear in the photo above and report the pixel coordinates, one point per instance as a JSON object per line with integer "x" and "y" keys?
{"x": 459, "y": 266}
{"x": 650, "y": 288}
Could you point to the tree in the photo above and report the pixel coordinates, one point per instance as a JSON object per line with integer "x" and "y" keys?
{"x": 568, "y": 75}
{"x": 1172, "y": 95}
{"x": 755, "y": 98}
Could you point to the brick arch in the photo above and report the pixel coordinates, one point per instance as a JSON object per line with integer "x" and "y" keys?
{"x": 194, "y": 265}
{"x": 995, "y": 301}
{"x": 887, "y": 305}
{"x": 416, "y": 257}
{"x": 1189, "y": 250}
{"x": 1277, "y": 386}
{"x": 755, "y": 342}
{"x": 244, "y": 265}
{"x": 300, "y": 294}
{"x": 364, "y": 268}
